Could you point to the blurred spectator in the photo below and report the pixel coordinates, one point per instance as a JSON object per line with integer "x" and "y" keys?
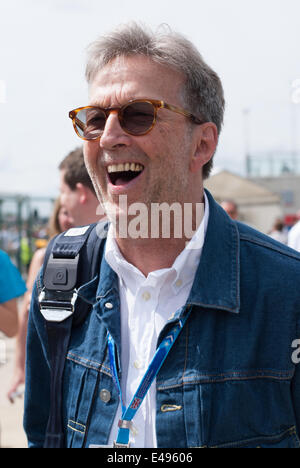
{"x": 25, "y": 253}
{"x": 231, "y": 208}
{"x": 77, "y": 191}
{"x": 12, "y": 286}
{"x": 278, "y": 231}
{"x": 59, "y": 222}
{"x": 294, "y": 235}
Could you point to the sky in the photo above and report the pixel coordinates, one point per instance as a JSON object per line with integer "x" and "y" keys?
{"x": 254, "y": 46}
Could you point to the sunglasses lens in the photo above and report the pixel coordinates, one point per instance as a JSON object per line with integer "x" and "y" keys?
{"x": 90, "y": 123}
{"x": 138, "y": 117}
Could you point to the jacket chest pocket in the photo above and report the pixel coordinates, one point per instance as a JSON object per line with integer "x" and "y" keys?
{"x": 245, "y": 412}
{"x": 228, "y": 411}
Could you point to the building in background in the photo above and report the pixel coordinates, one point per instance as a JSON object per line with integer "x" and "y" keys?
{"x": 257, "y": 205}
{"x": 279, "y": 172}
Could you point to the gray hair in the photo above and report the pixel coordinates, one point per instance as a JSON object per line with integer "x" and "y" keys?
{"x": 203, "y": 91}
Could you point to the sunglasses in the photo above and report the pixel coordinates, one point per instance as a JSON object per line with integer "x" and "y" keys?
{"x": 137, "y": 117}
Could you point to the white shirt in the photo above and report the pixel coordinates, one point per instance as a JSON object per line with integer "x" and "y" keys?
{"x": 294, "y": 237}
{"x": 146, "y": 306}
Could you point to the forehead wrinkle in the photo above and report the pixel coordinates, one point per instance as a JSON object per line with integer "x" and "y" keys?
{"x": 112, "y": 85}
{"x": 113, "y": 98}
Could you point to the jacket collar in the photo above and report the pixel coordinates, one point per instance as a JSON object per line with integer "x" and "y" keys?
{"x": 217, "y": 280}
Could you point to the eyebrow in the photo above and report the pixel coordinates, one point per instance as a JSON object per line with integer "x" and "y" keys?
{"x": 132, "y": 98}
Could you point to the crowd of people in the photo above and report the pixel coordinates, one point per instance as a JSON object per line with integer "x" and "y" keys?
{"x": 188, "y": 342}
{"x": 76, "y": 205}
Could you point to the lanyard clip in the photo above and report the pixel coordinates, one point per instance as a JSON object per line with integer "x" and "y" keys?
{"x": 125, "y": 424}
{"x": 118, "y": 445}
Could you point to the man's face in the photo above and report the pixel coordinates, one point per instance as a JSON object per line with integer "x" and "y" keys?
{"x": 69, "y": 200}
{"x": 163, "y": 154}
{"x": 64, "y": 219}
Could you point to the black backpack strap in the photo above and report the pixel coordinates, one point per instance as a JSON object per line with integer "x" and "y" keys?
{"x": 58, "y": 340}
{"x": 70, "y": 261}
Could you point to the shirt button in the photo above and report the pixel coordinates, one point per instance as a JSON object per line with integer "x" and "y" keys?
{"x": 137, "y": 364}
{"x": 178, "y": 283}
{"x": 108, "y": 305}
{"x": 105, "y": 395}
{"x": 146, "y": 296}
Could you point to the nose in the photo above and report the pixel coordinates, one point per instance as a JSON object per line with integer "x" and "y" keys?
{"x": 113, "y": 135}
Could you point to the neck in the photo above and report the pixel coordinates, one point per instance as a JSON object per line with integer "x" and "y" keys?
{"x": 150, "y": 256}
{"x": 157, "y": 246}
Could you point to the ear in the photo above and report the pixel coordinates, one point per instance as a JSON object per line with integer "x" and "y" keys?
{"x": 205, "y": 145}
{"x": 82, "y": 192}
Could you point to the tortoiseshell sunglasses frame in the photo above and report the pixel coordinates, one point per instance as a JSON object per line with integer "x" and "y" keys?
{"x": 155, "y": 103}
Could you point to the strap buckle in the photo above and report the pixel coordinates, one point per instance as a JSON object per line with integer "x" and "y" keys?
{"x": 57, "y": 309}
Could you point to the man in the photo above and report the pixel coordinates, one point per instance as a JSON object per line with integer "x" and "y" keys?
{"x": 12, "y": 287}
{"x": 294, "y": 235}
{"x": 77, "y": 193}
{"x": 217, "y": 306}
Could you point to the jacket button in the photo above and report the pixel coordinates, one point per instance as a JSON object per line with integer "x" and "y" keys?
{"x": 105, "y": 395}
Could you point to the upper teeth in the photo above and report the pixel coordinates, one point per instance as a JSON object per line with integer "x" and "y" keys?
{"x": 124, "y": 167}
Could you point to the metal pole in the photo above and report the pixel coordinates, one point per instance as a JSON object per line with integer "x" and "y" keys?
{"x": 295, "y": 101}
{"x": 19, "y": 226}
{"x": 246, "y": 113}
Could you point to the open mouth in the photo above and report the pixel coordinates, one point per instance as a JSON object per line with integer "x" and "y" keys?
{"x": 121, "y": 174}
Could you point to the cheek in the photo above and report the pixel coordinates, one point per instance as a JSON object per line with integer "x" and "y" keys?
{"x": 92, "y": 161}
{"x": 70, "y": 200}
{"x": 63, "y": 221}
{"x": 168, "y": 154}
{"x": 63, "y": 199}
{"x": 172, "y": 141}
{"x": 91, "y": 151}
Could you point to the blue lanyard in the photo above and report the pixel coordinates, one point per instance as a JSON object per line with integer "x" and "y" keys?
{"x": 161, "y": 353}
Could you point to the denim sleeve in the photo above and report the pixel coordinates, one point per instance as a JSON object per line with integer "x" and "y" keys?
{"x": 37, "y": 389}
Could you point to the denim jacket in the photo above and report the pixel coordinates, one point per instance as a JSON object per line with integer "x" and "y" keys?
{"x": 229, "y": 380}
